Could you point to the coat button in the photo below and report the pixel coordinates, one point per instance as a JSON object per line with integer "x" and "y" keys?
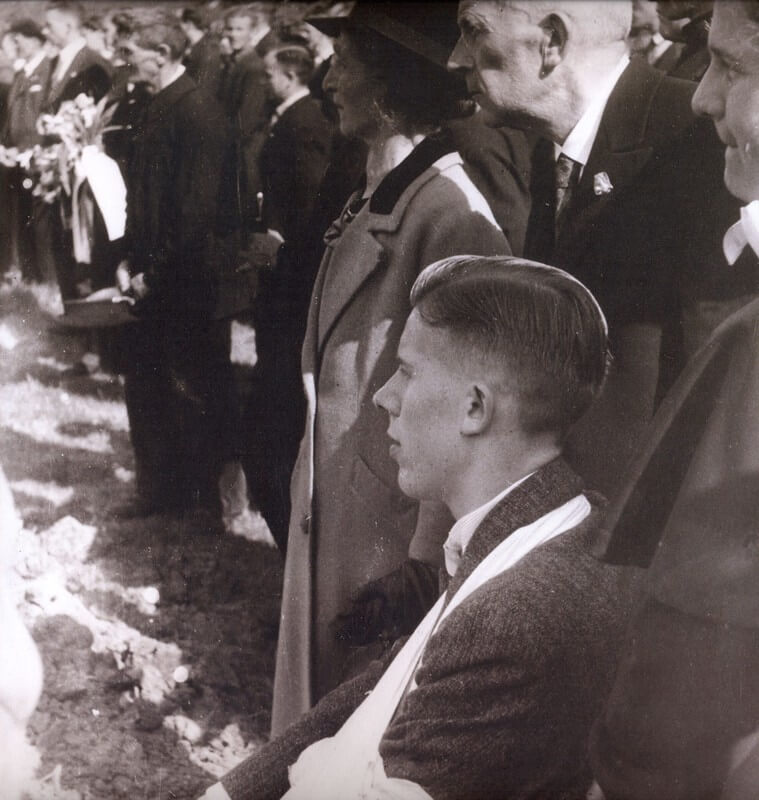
{"x": 305, "y": 524}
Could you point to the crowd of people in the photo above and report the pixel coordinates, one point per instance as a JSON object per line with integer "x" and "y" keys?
{"x": 501, "y": 261}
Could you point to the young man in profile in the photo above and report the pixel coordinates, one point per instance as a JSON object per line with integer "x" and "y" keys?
{"x": 494, "y": 693}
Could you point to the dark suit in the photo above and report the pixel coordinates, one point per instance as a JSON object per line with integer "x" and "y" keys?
{"x": 510, "y": 683}
{"x": 204, "y": 64}
{"x": 243, "y": 95}
{"x": 686, "y": 691}
{"x": 292, "y": 165}
{"x": 31, "y": 236}
{"x": 89, "y": 73}
{"x": 178, "y": 388}
{"x": 647, "y": 249}
{"x": 498, "y": 162}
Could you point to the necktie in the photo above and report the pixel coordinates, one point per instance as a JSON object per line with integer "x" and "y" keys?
{"x": 567, "y": 173}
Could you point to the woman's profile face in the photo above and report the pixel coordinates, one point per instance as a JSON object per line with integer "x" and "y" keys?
{"x": 353, "y": 91}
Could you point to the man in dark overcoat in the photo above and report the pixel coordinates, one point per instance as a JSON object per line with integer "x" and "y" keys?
{"x": 242, "y": 92}
{"x": 292, "y": 165}
{"x": 178, "y": 387}
{"x": 623, "y": 177}
{"x": 682, "y": 720}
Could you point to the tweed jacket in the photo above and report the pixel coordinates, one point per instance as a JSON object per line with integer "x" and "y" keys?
{"x": 647, "y": 244}
{"x": 685, "y": 692}
{"x": 89, "y": 73}
{"x": 349, "y": 522}
{"x": 26, "y": 101}
{"x": 510, "y": 683}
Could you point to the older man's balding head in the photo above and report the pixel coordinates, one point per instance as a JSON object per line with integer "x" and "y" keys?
{"x": 535, "y": 65}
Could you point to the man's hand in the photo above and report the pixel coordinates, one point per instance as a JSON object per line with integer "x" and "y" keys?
{"x": 263, "y": 249}
{"x": 139, "y": 288}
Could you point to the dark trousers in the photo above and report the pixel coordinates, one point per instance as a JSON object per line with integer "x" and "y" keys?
{"x": 181, "y": 404}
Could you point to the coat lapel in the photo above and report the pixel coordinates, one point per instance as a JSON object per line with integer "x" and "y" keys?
{"x": 550, "y": 487}
{"x": 74, "y": 68}
{"x": 382, "y": 214}
{"x": 339, "y": 283}
{"x": 620, "y": 150}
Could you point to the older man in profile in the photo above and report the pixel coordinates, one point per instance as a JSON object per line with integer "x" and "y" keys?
{"x": 623, "y": 177}
{"x": 682, "y": 722}
{"x": 493, "y": 694}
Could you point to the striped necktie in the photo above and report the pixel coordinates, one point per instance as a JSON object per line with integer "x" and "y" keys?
{"x": 567, "y": 173}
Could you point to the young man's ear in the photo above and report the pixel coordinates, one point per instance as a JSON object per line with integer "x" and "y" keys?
{"x": 478, "y": 409}
{"x": 553, "y": 44}
{"x": 164, "y": 51}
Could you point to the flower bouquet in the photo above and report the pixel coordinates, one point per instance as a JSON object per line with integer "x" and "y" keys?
{"x": 71, "y": 168}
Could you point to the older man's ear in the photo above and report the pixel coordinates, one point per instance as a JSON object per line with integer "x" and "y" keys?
{"x": 553, "y": 45}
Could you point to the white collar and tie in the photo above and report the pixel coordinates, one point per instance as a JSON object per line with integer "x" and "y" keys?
{"x": 464, "y": 528}
{"x": 744, "y": 233}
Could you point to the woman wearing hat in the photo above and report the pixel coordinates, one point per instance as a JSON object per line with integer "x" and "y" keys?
{"x": 350, "y": 524}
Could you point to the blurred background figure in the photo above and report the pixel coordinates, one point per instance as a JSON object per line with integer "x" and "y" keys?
{"x": 687, "y": 22}
{"x": 31, "y": 245}
{"x": 203, "y": 57}
{"x": 243, "y": 96}
{"x": 293, "y": 161}
{"x": 99, "y": 31}
{"x": 646, "y": 40}
{"x": 20, "y": 664}
{"x": 76, "y": 69}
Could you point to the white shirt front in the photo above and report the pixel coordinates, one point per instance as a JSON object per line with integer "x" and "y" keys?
{"x": 463, "y": 529}
{"x": 580, "y": 141}
{"x": 33, "y": 63}
{"x": 66, "y": 57}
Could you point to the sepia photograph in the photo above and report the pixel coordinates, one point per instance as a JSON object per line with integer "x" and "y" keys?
{"x": 379, "y": 387}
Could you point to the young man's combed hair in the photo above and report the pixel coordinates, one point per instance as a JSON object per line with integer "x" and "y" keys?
{"x": 527, "y": 319}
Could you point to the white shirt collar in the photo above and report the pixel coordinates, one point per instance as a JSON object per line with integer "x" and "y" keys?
{"x": 291, "y": 101}
{"x": 464, "y": 528}
{"x": 33, "y": 63}
{"x": 67, "y": 55}
{"x": 178, "y": 72}
{"x": 580, "y": 141}
{"x": 744, "y": 233}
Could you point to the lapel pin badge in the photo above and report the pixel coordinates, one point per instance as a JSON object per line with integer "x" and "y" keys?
{"x": 601, "y": 183}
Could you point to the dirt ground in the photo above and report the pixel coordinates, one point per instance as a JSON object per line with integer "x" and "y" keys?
{"x": 157, "y": 635}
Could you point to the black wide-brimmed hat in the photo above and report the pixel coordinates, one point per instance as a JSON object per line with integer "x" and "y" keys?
{"x": 427, "y": 29}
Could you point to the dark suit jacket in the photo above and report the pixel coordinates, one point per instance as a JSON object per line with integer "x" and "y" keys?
{"x": 686, "y": 692}
{"x": 509, "y": 685}
{"x": 243, "y": 96}
{"x": 498, "y": 162}
{"x": 293, "y": 160}
{"x": 176, "y": 182}
{"x": 89, "y": 73}
{"x": 204, "y": 64}
{"x": 647, "y": 249}
{"x": 26, "y": 100}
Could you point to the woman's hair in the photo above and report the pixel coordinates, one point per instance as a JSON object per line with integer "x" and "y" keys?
{"x": 419, "y": 95}
{"x": 539, "y": 330}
